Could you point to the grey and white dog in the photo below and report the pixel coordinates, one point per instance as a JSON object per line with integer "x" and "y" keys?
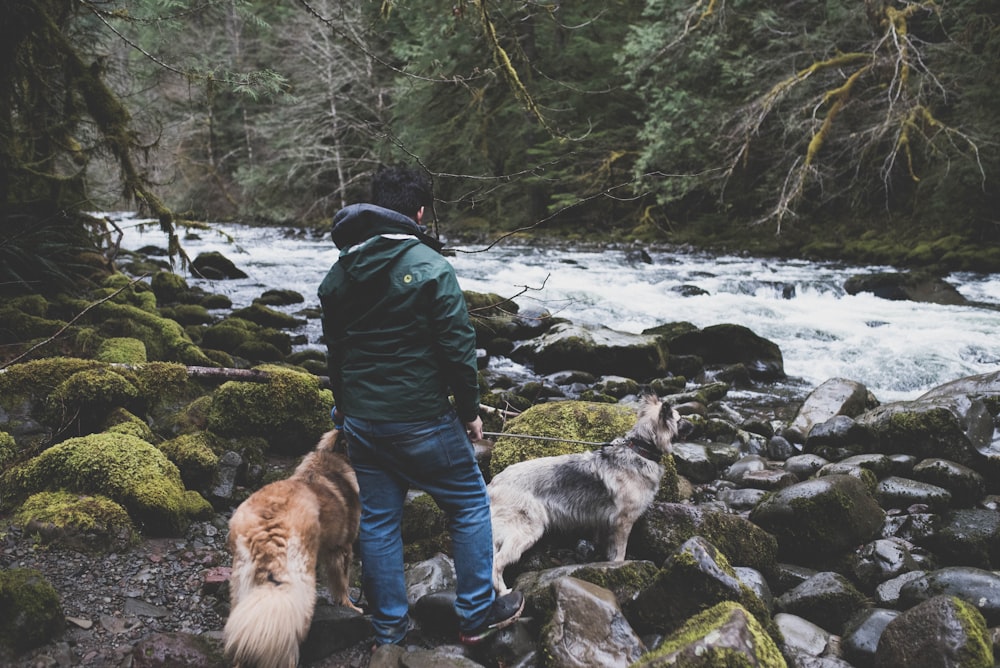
{"x": 601, "y": 492}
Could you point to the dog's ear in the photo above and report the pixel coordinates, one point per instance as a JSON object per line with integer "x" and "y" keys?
{"x": 666, "y": 411}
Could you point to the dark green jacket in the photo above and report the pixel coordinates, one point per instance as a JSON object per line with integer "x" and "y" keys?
{"x": 395, "y": 322}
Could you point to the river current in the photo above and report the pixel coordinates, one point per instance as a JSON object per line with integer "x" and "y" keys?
{"x": 898, "y": 349}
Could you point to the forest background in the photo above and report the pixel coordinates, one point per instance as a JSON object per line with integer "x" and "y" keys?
{"x": 836, "y": 129}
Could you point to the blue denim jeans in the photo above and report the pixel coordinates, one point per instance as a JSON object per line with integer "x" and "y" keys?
{"x": 437, "y": 457}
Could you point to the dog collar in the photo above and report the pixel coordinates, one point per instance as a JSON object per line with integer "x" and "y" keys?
{"x": 644, "y": 449}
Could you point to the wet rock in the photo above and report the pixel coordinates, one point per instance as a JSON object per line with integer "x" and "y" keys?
{"x": 896, "y": 492}
{"x": 725, "y": 635}
{"x": 912, "y": 527}
{"x": 911, "y": 286}
{"x": 882, "y": 560}
{"x": 696, "y": 577}
{"x": 860, "y": 639}
{"x": 979, "y": 587}
{"x": 967, "y": 537}
{"x": 693, "y": 462}
{"x": 740, "y": 500}
{"x": 769, "y": 479}
{"x": 880, "y": 465}
{"x": 215, "y": 265}
{"x": 598, "y": 350}
{"x": 732, "y": 344}
{"x": 804, "y": 466}
{"x": 951, "y": 427}
{"x": 820, "y": 518}
{"x": 803, "y": 638}
{"x": 665, "y": 527}
{"x": 429, "y": 576}
{"x": 624, "y": 579}
{"x": 887, "y": 593}
{"x": 826, "y": 599}
{"x": 965, "y": 484}
{"x": 837, "y": 438}
{"x": 743, "y": 466}
{"x": 837, "y": 396}
{"x": 941, "y": 632}
{"x": 334, "y": 627}
{"x": 587, "y": 628}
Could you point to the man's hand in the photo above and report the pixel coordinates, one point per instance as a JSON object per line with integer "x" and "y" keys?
{"x": 475, "y": 429}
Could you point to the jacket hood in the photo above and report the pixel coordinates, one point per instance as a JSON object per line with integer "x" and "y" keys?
{"x": 371, "y": 238}
{"x": 359, "y": 222}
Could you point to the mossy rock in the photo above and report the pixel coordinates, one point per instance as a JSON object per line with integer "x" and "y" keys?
{"x": 624, "y": 579}
{"x": 121, "y": 421}
{"x": 227, "y": 335}
{"x": 259, "y": 351}
{"x": 121, "y": 350}
{"x": 280, "y": 298}
{"x": 124, "y": 290}
{"x": 195, "y": 457}
{"x": 76, "y": 521}
{"x": 165, "y": 339}
{"x": 19, "y": 326}
{"x": 666, "y": 526}
{"x": 697, "y": 576}
{"x": 124, "y": 468}
{"x": 290, "y": 411}
{"x": 573, "y": 420}
{"x": 85, "y": 398}
{"x": 216, "y": 301}
{"x": 23, "y": 390}
{"x": 8, "y": 449}
{"x": 188, "y": 314}
{"x": 30, "y": 610}
{"x": 268, "y": 317}
{"x": 169, "y": 288}
{"x": 726, "y": 634}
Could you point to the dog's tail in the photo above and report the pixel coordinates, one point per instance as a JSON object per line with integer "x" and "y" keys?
{"x": 271, "y": 613}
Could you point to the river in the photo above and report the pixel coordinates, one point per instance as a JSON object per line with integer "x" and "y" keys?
{"x": 898, "y": 349}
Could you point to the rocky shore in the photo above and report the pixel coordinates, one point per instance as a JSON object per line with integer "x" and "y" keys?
{"x": 828, "y": 531}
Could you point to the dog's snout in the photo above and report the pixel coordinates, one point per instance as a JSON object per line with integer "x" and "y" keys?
{"x": 684, "y": 428}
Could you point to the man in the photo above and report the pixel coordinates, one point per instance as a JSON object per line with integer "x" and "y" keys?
{"x": 399, "y": 343}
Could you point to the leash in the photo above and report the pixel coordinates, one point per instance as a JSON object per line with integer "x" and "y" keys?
{"x": 546, "y": 438}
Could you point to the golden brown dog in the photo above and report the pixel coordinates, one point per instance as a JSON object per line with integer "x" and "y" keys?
{"x": 278, "y": 537}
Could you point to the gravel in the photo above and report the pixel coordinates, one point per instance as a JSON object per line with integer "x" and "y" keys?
{"x": 112, "y": 601}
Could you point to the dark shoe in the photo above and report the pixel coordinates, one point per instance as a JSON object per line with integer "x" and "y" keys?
{"x": 505, "y": 611}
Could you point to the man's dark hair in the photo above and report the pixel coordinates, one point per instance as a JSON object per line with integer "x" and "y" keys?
{"x": 402, "y": 189}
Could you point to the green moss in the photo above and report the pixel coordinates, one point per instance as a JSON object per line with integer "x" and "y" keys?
{"x": 572, "y": 420}
{"x": 87, "y": 396}
{"x": 258, "y": 351}
{"x": 228, "y": 334}
{"x": 978, "y": 650}
{"x": 77, "y": 521}
{"x": 8, "y": 449}
{"x": 695, "y": 644}
{"x": 121, "y": 421}
{"x": 268, "y": 317}
{"x": 121, "y": 350}
{"x": 169, "y": 288}
{"x": 290, "y": 411}
{"x": 187, "y": 314}
{"x": 35, "y": 379}
{"x": 30, "y": 611}
{"x": 126, "y": 469}
{"x": 195, "y": 457}
{"x": 165, "y": 339}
